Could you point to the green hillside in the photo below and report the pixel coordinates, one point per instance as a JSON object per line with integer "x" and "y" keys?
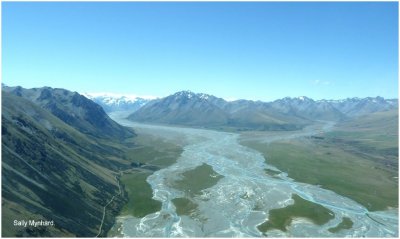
{"x": 52, "y": 171}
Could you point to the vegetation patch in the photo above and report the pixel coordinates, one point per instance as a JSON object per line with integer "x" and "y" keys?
{"x": 147, "y": 152}
{"x": 197, "y": 179}
{"x": 154, "y": 151}
{"x": 140, "y": 195}
{"x": 326, "y": 164}
{"x": 282, "y": 217}
{"x": 184, "y": 206}
{"x": 346, "y": 223}
{"x": 271, "y": 172}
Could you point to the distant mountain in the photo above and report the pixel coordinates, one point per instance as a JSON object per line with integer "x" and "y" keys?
{"x": 74, "y": 109}
{"x": 188, "y": 108}
{"x": 115, "y": 102}
{"x": 53, "y": 168}
{"x": 354, "y": 107}
{"x": 184, "y": 108}
{"x": 191, "y": 109}
{"x": 307, "y": 108}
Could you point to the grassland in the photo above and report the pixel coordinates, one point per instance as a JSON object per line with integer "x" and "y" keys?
{"x": 184, "y": 206}
{"x": 197, "y": 179}
{"x": 140, "y": 195}
{"x": 335, "y": 169}
{"x": 146, "y": 150}
{"x": 152, "y": 150}
{"x": 358, "y": 159}
{"x": 346, "y": 223}
{"x": 149, "y": 150}
{"x": 282, "y": 217}
{"x": 192, "y": 183}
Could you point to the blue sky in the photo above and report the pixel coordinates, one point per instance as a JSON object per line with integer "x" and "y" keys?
{"x": 259, "y": 50}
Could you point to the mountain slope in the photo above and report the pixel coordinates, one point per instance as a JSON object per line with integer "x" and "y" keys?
{"x": 188, "y": 108}
{"x": 185, "y": 108}
{"x": 355, "y": 107}
{"x": 74, "y": 109}
{"x": 307, "y": 108}
{"x": 53, "y": 171}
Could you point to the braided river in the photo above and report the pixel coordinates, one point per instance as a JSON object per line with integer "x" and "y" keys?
{"x": 241, "y": 199}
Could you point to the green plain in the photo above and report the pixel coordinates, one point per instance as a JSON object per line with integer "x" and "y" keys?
{"x": 345, "y": 173}
{"x": 150, "y": 151}
{"x": 197, "y": 179}
{"x": 184, "y": 206}
{"x": 155, "y": 151}
{"x": 346, "y": 223}
{"x": 282, "y": 217}
{"x": 140, "y": 195}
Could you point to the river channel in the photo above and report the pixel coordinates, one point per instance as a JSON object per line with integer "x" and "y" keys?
{"x": 241, "y": 199}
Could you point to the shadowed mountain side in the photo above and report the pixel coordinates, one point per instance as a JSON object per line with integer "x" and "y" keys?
{"x": 52, "y": 171}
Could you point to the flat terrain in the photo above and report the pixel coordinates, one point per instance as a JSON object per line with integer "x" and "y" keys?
{"x": 215, "y": 173}
{"x": 184, "y": 206}
{"x": 147, "y": 155}
{"x": 192, "y": 183}
{"x": 195, "y": 180}
{"x": 140, "y": 195}
{"x": 282, "y": 217}
{"x": 358, "y": 159}
{"x": 346, "y": 223}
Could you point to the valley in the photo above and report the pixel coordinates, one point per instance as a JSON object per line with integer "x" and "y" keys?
{"x": 247, "y": 197}
{"x": 226, "y": 119}
{"x": 318, "y": 171}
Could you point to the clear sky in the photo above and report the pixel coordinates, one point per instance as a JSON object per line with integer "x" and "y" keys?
{"x": 259, "y": 50}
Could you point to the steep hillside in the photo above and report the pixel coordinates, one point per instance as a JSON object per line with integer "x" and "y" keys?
{"x": 53, "y": 171}
{"x": 74, "y": 109}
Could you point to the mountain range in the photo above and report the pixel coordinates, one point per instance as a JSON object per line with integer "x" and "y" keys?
{"x": 115, "y": 102}
{"x": 203, "y": 110}
{"x": 62, "y": 153}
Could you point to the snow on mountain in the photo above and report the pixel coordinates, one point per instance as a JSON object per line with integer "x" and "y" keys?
{"x": 119, "y": 102}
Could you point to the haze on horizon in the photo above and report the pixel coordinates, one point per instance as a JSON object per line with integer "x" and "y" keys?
{"x": 257, "y": 51}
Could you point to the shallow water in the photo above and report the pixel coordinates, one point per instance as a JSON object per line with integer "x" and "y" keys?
{"x": 242, "y": 198}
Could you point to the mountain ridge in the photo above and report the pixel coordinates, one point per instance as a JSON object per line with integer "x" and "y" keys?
{"x": 72, "y": 108}
{"x": 199, "y": 109}
{"x": 118, "y": 102}
{"x": 54, "y": 170}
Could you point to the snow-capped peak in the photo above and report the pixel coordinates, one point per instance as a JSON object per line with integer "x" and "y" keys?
{"x": 114, "y": 102}
{"x": 189, "y": 94}
{"x": 186, "y": 93}
{"x": 126, "y": 97}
